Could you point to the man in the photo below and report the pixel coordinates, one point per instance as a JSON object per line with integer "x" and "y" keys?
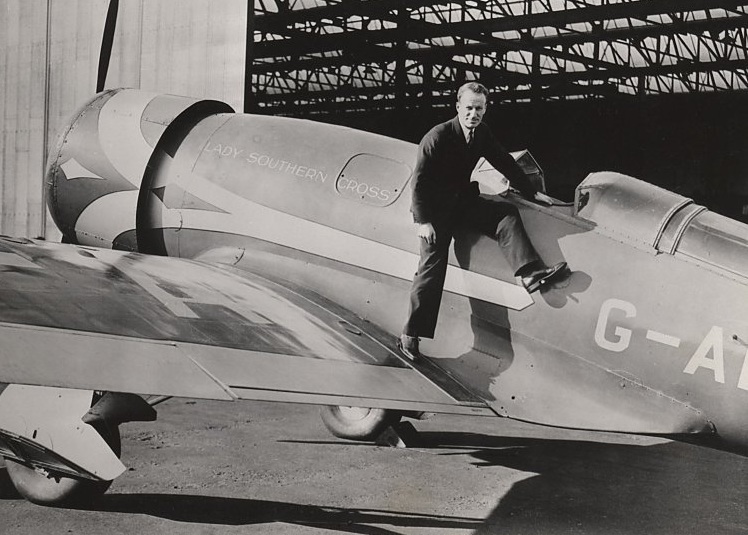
{"x": 444, "y": 200}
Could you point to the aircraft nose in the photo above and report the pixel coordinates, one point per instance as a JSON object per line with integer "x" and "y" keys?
{"x": 79, "y": 171}
{"x": 101, "y": 159}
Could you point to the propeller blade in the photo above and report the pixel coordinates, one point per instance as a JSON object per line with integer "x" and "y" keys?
{"x": 106, "y": 44}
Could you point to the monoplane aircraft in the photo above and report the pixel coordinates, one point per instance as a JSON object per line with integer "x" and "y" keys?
{"x": 219, "y": 255}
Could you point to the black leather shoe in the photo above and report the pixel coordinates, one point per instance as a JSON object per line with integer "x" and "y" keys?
{"x": 533, "y": 281}
{"x": 408, "y": 346}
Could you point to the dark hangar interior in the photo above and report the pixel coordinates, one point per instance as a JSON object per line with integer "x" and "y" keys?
{"x": 651, "y": 88}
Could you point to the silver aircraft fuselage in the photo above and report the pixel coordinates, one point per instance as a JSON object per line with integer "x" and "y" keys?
{"x": 648, "y": 333}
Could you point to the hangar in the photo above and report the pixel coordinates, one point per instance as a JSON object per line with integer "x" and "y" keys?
{"x": 652, "y": 88}
{"x": 211, "y": 51}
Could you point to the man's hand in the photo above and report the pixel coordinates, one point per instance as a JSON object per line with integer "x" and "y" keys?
{"x": 543, "y": 198}
{"x": 426, "y": 232}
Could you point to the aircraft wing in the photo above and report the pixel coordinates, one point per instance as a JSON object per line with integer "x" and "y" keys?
{"x": 88, "y": 318}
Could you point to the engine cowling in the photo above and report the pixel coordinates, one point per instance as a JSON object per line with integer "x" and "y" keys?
{"x": 102, "y": 157}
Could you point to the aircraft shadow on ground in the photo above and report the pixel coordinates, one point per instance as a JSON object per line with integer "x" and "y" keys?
{"x": 236, "y": 511}
{"x": 578, "y": 486}
{"x": 574, "y": 486}
{"x": 589, "y": 487}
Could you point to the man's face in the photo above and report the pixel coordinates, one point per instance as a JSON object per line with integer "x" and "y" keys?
{"x": 470, "y": 109}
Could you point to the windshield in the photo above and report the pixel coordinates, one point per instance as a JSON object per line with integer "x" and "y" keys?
{"x": 717, "y": 240}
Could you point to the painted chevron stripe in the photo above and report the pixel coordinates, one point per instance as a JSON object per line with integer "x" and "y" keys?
{"x": 245, "y": 217}
{"x": 120, "y": 134}
{"x": 252, "y": 219}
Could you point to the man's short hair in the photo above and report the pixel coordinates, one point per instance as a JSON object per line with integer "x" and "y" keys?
{"x": 475, "y": 87}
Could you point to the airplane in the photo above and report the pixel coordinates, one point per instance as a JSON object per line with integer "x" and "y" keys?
{"x": 219, "y": 255}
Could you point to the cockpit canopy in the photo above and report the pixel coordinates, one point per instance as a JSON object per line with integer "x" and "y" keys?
{"x": 639, "y": 212}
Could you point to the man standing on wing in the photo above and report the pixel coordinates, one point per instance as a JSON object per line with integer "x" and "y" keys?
{"x": 444, "y": 200}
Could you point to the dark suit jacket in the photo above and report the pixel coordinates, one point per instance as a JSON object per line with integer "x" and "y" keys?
{"x": 445, "y": 163}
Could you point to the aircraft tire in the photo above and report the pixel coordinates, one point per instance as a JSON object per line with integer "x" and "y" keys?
{"x": 358, "y": 423}
{"x": 55, "y": 489}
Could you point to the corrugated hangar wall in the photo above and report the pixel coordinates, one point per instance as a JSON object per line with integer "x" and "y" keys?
{"x": 49, "y": 51}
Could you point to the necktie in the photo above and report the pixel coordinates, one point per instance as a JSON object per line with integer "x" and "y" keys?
{"x": 470, "y": 137}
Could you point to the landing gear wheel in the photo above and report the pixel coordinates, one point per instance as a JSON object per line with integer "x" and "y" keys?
{"x": 50, "y": 488}
{"x": 358, "y": 423}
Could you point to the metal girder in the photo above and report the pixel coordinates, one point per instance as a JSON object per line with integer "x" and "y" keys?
{"x": 560, "y": 18}
{"x": 624, "y": 71}
{"x": 416, "y": 27}
{"x": 416, "y": 91}
{"x": 643, "y": 32}
{"x": 379, "y": 50}
{"x": 340, "y": 9}
{"x": 375, "y": 54}
{"x": 546, "y": 81}
{"x": 311, "y": 106}
{"x": 588, "y": 13}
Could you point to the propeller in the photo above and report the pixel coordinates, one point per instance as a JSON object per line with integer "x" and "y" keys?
{"x": 106, "y": 44}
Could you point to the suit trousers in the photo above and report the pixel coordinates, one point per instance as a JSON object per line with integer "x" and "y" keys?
{"x": 497, "y": 219}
